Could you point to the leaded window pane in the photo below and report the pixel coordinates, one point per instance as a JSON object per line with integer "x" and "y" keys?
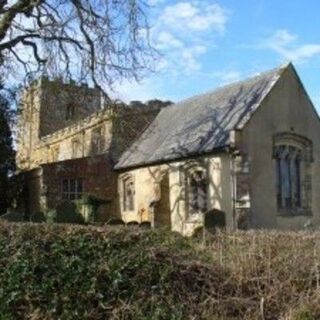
{"x": 65, "y": 185}
{"x": 288, "y": 183}
{"x": 278, "y": 177}
{"x": 288, "y": 176}
{"x": 298, "y": 182}
{"x": 72, "y": 189}
{"x": 72, "y": 186}
{"x": 79, "y": 186}
{"x": 128, "y": 194}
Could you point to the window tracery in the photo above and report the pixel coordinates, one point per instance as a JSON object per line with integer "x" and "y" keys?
{"x": 197, "y": 190}
{"x": 128, "y": 193}
{"x": 293, "y": 158}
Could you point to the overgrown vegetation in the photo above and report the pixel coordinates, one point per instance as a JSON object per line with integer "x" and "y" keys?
{"x": 73, "y": 272}
{"x": 7, "y": 154}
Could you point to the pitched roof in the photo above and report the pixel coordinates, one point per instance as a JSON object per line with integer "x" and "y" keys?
{"x": 200, "y": 124}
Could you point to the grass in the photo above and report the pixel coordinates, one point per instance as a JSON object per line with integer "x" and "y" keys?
{"x": 73, "y": 272}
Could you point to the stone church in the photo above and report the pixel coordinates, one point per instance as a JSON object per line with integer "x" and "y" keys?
{"x": 246, "y": 155}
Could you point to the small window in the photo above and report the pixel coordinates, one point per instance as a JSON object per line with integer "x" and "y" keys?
{"x": 70, "y": 112}
{"x": 197, "y": 191}
{"x": 72, "y": 189}
{"x": 55, "y": 154}
{"x": 97, "y": 141}
{"x": 128, "y": 194}
{"x": 76, "y": 149}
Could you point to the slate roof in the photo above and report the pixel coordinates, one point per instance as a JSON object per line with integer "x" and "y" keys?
{"x": 200, "y": 124}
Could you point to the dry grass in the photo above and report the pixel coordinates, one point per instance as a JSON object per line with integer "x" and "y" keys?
{"x": 275, "y": 275}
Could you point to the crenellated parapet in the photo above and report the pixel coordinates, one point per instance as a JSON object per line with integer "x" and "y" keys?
{"x": 52, "y": 130}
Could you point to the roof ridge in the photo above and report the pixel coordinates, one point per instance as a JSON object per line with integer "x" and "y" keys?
{"x": 232, "y": 84}
{"x": 202, "y": 123}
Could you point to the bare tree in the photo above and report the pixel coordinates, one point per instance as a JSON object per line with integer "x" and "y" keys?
{"x": 99, "y": 41}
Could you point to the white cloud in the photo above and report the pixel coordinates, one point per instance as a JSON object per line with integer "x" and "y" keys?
{"x": 130, "y": 90}
{"x": 281, "y": 38}
{"x": 155, "y": 2}
{"x": 195, "y": 16}
{"x": 148, "y": 89}
{"x": 166, "y": 40}
{"x": 190, "y": 58}
{"x": 286, "y": 44}
{"x": 185, "y": 31}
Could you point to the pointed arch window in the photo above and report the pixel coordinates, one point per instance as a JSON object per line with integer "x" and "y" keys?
{"x": 97, "y": 140}
{"x": 293, "y": 157}
{"x": 288, "y": 159}
{"x": 197, "y": 190}
{"x": 128, "y": 193}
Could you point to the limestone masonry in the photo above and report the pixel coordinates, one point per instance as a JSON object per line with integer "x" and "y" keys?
{"x": 246, "y": 155}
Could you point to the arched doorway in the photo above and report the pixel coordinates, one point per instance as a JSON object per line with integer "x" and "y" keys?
{"x": 162, "y": 214}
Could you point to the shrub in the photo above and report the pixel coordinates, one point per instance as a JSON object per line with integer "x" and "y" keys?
{"x": 93, "y": 202}
{"x": 12, "y": 217}
{"x": 73, "y": 272}
{"x": 67, "y": 212}
{"x": 38, "y": 217}
{"x": 145, "y": 224}
{"x": 116, "y": 222}
{"x": 52, "y": 271}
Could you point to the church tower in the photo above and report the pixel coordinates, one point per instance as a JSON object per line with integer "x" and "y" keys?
{"x": 47, "y": 106}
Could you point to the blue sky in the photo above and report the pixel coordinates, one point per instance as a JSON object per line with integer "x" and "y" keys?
{"x": 206, "y": 44}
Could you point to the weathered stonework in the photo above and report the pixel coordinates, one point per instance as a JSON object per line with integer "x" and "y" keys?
{"x": 242, "y": 191}
{"x": 211, "y": 160}
{"x": 242, "y": 180}
{"x": 44, "y": 111}
{"x": 65, "y": 132}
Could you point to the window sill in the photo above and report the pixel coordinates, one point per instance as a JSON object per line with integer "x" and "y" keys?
{"x": 294, "y": 212}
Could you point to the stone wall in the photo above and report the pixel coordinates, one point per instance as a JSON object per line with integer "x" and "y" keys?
{"x": 148, "y": 181}
{"x": 128, "y": 124}
{"x": 98, "y": 178}
{"x": 286, "y": 110}
{"x": 28, "y": 126}
{"x": 52, "y": 147}
{"x": 46, "y": 136}
{"x": 64, "y": 104}
{"x": 44, "y": 107}
{"x": 242, "y": 192}
{"x": 58, "y": 146}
